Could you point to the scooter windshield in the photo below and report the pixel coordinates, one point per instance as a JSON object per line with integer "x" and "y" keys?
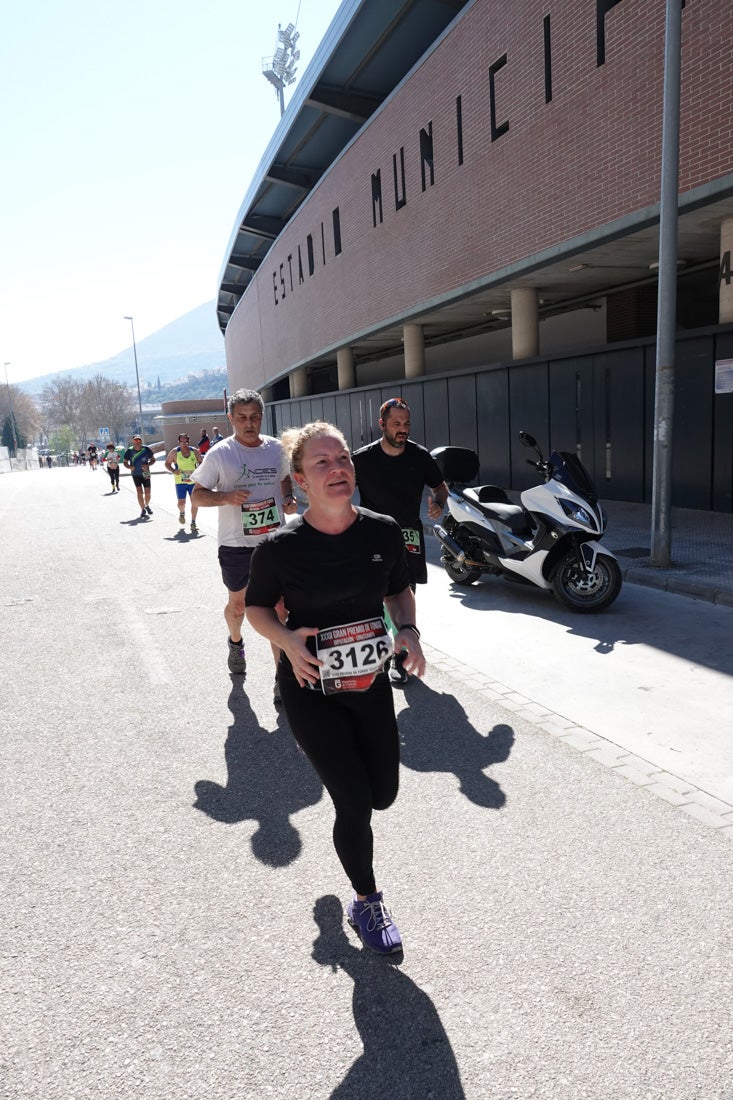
{"x": 567, "y": 468}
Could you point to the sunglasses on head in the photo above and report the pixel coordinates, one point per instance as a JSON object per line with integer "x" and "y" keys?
{"x": 393, "y": 403}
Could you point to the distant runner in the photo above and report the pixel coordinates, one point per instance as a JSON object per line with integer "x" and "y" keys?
{"x": 138, "y": 459}
{"x": 182, "y": 461}
{"x": 112, "y": 463}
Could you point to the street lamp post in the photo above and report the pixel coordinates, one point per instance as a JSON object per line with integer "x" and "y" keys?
{"x": 661, "y": 534}
{"x": 12, "y": 413}
{"x": 137, "y": 373}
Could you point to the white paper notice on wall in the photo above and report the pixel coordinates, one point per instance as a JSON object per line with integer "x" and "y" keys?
{"x": 724, "y": 375}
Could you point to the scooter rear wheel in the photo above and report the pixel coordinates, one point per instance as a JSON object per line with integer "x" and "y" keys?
{"x": 459, "y": 574}
{"x": 583, "y": 591}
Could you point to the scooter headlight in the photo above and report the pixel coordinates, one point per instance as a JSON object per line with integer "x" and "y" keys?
{"x": 575, "y": 512}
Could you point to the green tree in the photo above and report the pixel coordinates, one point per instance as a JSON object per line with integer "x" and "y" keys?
{"x": 11, "y": 434}
{"x": 63, "y": 440}
{"x": 18, "y": 410}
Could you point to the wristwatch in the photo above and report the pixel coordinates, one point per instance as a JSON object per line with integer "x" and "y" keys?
{"x": 410, "y": 626}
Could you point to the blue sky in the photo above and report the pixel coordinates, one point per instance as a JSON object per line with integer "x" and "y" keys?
{"x": 128, "y": 136}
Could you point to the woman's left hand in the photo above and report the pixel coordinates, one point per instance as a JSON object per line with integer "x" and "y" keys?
{"x": 407, "y": 641}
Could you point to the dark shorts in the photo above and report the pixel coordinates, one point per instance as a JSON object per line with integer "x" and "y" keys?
{"x": 184, "y": 489}
{"x": 416, "y": 558}
{"x": 141, "y": 482}
{"x": 235, "y": 562}
{"x": 417, "y": 568}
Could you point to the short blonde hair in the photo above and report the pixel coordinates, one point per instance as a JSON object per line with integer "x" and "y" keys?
{"x": 295, "y": 439}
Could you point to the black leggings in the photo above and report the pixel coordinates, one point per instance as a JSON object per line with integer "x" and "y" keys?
{"x": 352, "y": 742}
{"x": 114, "y": 476}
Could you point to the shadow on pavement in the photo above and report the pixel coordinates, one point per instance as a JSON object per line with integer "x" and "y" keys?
{"x": 629, "y": 621}
{"x": 407, "y": 1052}
{"x": 268, "y": 781}
{"x": 436, "y": 736}
{"x": 182, "y": 536}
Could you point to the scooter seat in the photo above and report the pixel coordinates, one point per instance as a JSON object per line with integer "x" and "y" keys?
{"x": 491, "y": 494}
{"x": 513, "y": 515}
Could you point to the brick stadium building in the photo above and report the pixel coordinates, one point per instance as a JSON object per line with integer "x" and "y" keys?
{"x": 461, "y": 204}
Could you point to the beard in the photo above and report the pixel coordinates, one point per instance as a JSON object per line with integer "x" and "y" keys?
{"x": 394, "y": 441}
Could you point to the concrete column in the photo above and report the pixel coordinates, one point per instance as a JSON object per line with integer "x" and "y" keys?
{"x": 345, "y": 368}
{"x": 725, "y": 281}
{"x": 299, "y": 383}
{"x": 525, "y": 323}
{"x": 414, "y": 344}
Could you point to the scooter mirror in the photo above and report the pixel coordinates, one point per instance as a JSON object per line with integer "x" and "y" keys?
{"x": 527, "y": 440}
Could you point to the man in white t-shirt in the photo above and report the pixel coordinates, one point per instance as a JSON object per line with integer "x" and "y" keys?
{"x": 247, "y": 477}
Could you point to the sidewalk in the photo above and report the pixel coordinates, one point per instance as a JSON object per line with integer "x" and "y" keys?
{"x": 630, "y": 707}
{"x": 702, "y": 550}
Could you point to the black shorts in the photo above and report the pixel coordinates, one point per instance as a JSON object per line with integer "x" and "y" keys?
{"x": 416, "y": 557}
{"x": 417, "y": 567}
{"x": 235, "y": 562}
{"x": 141, "y": 482}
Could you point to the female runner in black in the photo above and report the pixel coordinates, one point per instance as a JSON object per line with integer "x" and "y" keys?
{"x": 336, "y": 566}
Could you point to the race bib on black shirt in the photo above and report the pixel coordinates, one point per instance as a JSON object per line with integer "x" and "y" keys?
{"x": 352, "y": 655}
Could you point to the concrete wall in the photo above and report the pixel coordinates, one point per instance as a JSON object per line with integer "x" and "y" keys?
{"x": 190, "y": 416}
{"x": 24, "y": 459}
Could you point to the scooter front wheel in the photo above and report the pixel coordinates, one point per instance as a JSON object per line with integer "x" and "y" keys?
{"x": 583, "y": 590}
{"x": 459, "y": 574}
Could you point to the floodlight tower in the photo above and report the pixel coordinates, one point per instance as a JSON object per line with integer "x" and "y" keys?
{"x": 280, "y": 69}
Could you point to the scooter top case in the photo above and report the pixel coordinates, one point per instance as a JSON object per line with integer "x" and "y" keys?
{"x": 458, "y": 465}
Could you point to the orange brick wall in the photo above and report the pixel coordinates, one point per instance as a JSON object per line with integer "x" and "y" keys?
{"x": 588, "y": 157}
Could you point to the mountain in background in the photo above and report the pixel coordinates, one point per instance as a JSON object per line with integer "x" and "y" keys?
{"x": 190, "y": 345}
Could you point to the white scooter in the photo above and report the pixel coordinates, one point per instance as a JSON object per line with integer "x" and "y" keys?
{"x": 549, "y": 540}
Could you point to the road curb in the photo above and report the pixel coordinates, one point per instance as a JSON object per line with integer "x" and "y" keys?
{"x": 680, "y": 586}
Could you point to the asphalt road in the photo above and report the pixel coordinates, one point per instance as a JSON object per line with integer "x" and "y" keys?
{"x": 172, "y": 921}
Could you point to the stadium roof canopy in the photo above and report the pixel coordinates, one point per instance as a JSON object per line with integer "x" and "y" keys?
{"x": 369, "y": 47}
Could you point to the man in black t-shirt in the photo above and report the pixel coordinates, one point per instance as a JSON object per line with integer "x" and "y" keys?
{"x": 391, "y": 474}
